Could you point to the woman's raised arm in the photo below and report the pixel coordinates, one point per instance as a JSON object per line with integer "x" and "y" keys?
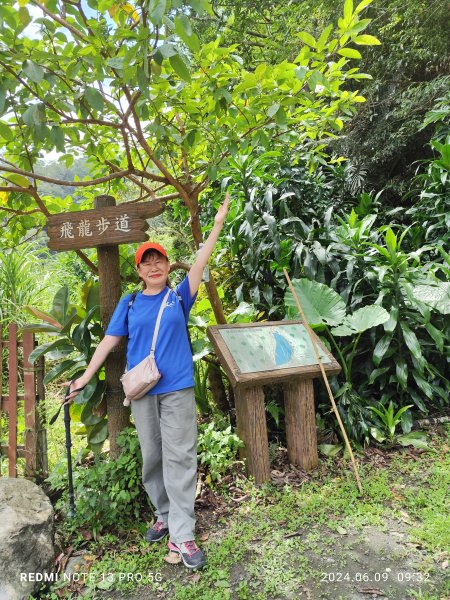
{"x": 196, "y": 271}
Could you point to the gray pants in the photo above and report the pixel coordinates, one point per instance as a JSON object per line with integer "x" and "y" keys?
{"x": 167, "y": 429}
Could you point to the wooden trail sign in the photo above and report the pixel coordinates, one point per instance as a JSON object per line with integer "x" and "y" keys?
{"x": 258, "y": 354}
{"x": 101, "y": 227}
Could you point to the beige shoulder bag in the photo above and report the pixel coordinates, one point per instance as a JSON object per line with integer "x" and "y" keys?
{"x": 145, "y": 375}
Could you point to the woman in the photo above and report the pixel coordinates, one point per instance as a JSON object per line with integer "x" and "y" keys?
{"x": 165, "y": 419}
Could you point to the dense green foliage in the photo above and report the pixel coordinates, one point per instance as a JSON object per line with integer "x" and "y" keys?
{"x": 108, "y": 493}
{"x": 77, "y": 331}
{"x": 410, "y": 72}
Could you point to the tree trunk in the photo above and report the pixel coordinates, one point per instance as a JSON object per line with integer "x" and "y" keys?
{"x": 110, "y": 292}
{"x": 217, "y": 388}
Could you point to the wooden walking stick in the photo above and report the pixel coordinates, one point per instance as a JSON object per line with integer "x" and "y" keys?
{"x": 325, "y": 378}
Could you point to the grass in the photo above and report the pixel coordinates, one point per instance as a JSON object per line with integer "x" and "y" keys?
{"x": 249, "y": 555}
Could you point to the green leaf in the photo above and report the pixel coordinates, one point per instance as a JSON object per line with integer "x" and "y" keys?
{"x": 34, "y": 115}
{"x": 57, "y": 138}
{"x": 183, "y": 26}
{"x": 116, "y": 62}
{"x": 6, "y": 132}
{"x": 367, "y": 40}
{"x": 377, "y": 434}
{"x": 273, "y": 109}
{"x": 348, "y": 10}
{"x": 33, "y": 71}
{"x": 307, "y": 38}
{"x": 366, "y": 318}
{"x": 330, "y": 450}
{"x": 94, "y": 98}
{"x": 391, "y": 241}
{"x": 349, "y": 53}
{"x": 362, "y": 5}
{"x": 423, "y": 385}
{"x": 19, "y": 180}
{"x": 381, "y": 348}
{"x": 156, "y": 10}
{"x": 180, "y": 68}
{"x": 401, "y": 370}
{"x": 167, "y": 50}
{"x": 98, "y": 433}
{"x": 391, "y": 324}
{"x": 87, "y": 393}
{"x": 436, "y": 335}
{"x": 436, "y": 295}
{"x": 57, "y": 371}
{"x": 61, "y": 305}
{"x": 411, "y": 341}
{"x": 320, "y": 303}
{"x": 342, "y": 331}
{"x": 45, "y": 348}
{"x": 415, "y": 438}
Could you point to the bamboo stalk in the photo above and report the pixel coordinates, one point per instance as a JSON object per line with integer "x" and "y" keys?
{"x": 325, "y": 379}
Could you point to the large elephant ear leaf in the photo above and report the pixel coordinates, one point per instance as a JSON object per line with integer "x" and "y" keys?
{"x": 436, "y": 296}
{"x": 366, "y": 318}
{"x": 321, "y": 304}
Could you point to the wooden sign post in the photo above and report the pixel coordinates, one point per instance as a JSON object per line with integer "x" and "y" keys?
{"x": 105, "y": 228}
{"x": 258, "y": 354}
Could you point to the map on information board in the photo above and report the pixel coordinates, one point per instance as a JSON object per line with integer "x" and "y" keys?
{"x": 270, "y": 348}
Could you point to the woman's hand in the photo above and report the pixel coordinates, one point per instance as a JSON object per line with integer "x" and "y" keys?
{"x": 221, "y": 214}
{"x": 76, "y": 386}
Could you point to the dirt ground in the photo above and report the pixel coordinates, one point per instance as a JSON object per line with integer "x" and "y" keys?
{"x": 351, "y": 565}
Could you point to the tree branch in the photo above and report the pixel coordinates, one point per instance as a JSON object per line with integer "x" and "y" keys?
{"x": 117, "y": 175}
{"x": 91, "y": 122}
{"x": 86, "y": 260}
{"x": 171, "y": 179}
{"x": 61, "y": 21}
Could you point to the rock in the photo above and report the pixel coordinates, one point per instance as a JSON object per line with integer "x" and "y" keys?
{"x": 26, "y": 539}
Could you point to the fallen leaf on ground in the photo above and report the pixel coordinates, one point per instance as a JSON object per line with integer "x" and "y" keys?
{"x": 203, "y": 537}
{"x": 173, "y": 558}
{"x": 341, "y": 530}
{"x": 371, "y": 591}
{"x": 195, "y": 578}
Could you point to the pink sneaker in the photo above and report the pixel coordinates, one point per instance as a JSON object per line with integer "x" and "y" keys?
{"x": 191, "y": 555}
{"x": 157, "y": 532}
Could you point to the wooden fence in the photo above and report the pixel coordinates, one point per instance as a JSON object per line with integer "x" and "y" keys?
{"x": 24, "y": 387}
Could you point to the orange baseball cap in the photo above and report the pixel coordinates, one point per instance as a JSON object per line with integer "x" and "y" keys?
{"x": 148, "y": 246}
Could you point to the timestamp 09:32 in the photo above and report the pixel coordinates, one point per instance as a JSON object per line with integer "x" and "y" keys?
{"x": 364, "y": 577}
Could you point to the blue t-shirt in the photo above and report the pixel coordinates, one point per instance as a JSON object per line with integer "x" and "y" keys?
{"x": 172, "y": 353}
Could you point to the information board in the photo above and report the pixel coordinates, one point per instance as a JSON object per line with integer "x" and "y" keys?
{"x": 269, "y": 352}
{"x": 269, "y": 348}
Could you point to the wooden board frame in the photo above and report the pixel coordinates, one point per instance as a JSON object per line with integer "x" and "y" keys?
{"x": 239, "y": 379}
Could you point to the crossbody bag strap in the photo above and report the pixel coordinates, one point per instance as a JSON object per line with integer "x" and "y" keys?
{"x": 158, "y": 321}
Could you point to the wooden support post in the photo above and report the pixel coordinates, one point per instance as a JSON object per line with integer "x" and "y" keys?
{"x": 110, "y": 292}
{"x": 41, "y": 433}
{"x": 252, "y": 429}
{"x": 30, "y": 408}
{"x": 301, "y": 423}
{"x": 12, "y": 400}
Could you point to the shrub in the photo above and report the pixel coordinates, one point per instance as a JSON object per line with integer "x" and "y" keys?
{"x": 108, "y": 494}
{"x": 217, "y": 449}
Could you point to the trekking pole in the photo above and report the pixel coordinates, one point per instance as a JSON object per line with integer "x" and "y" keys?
{"x": 66, "y": 405}
{"x": 325, "y": 379}
{"x": 69, "y": 459}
